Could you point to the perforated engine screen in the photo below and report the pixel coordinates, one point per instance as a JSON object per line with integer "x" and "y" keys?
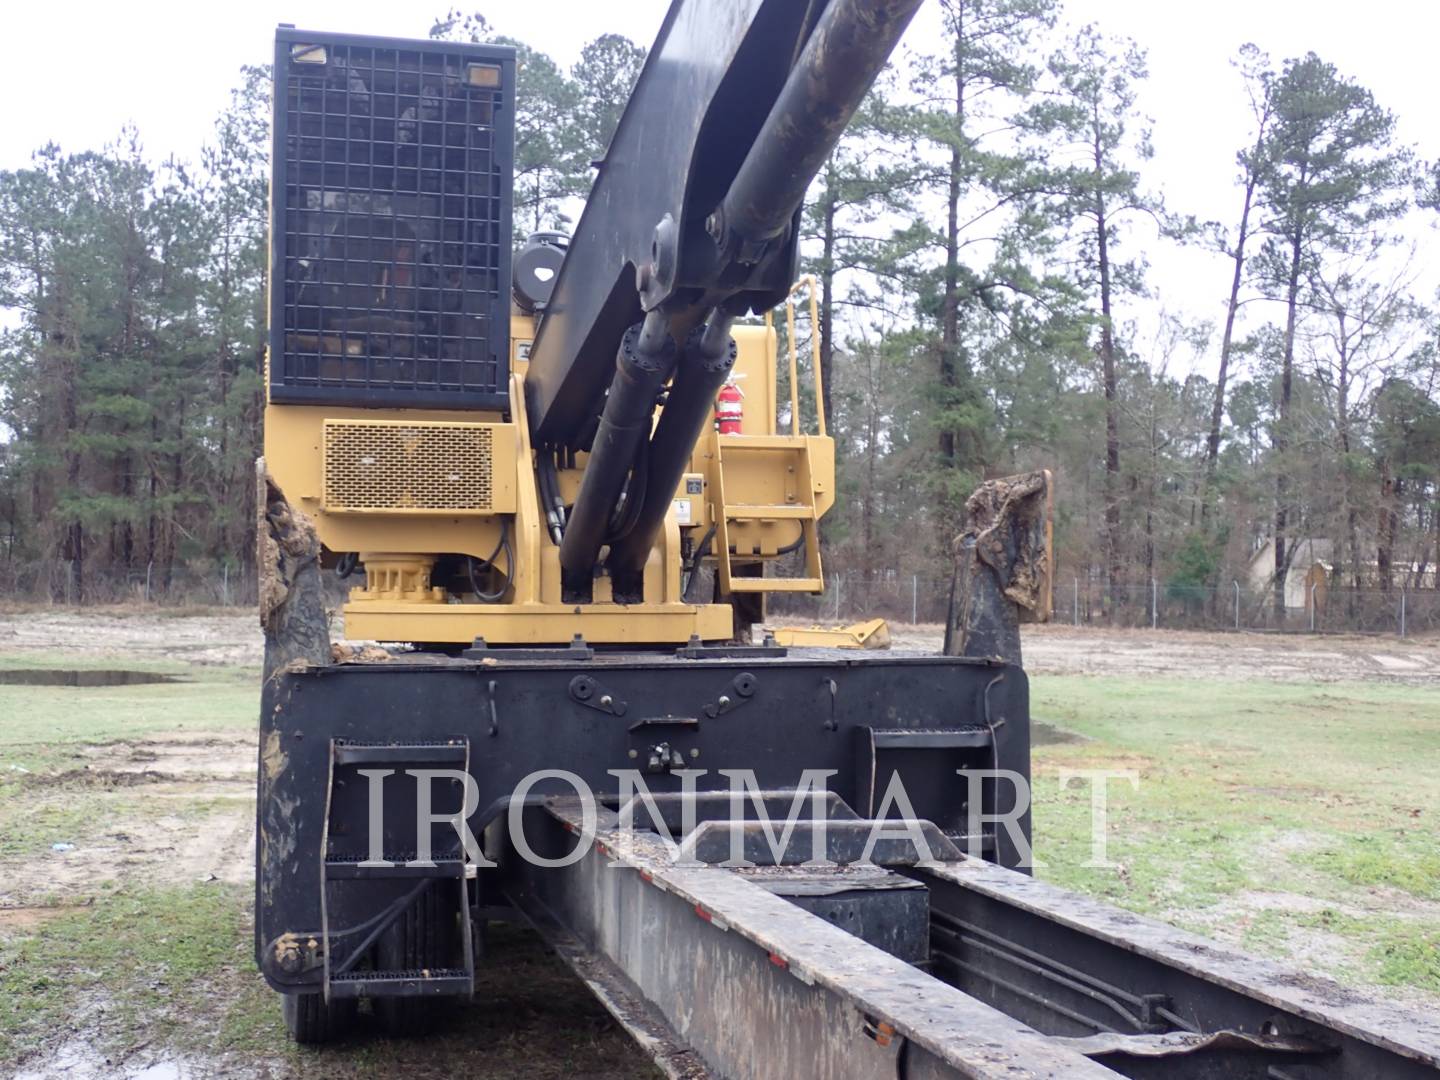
{"x": 408, "y": 467}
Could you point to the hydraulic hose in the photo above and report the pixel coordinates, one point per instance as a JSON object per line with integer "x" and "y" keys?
{"x": 644, "y": 361}
{"x": 706, "y": 362}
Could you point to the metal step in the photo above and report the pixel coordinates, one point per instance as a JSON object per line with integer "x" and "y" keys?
{"x": 355, "y": 867}
{"x": 450, "y": 752}
{"x": 760, "y": 584}
{"x": 799, "y": 506}
{"x": 436, "y": 981}
{"x": 347, "y": 874}
{"x": 931, "y": 738}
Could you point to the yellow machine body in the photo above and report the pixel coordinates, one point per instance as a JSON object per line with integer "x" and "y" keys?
{"x": 404, "y": 488}
{"x": 871, "y": 634}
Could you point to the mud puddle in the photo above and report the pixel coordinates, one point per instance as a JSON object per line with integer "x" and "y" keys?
{"x": 82, "y": 678}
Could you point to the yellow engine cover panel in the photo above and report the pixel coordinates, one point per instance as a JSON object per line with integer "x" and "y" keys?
{"x": 417, "y": 467}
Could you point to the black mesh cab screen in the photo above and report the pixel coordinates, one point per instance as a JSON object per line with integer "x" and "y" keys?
{"x": 390, "y": 222}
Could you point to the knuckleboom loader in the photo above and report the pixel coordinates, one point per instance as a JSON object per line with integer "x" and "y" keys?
{"x": 512, "y": 459}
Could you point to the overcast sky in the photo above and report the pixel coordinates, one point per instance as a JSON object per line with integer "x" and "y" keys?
{"x": 76, "y": 72}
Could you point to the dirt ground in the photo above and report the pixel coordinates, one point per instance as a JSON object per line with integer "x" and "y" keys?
{"x": 155, "y": 789}
{"x": 1066, "y": 650}
{"x": 227, "y": 637}
{"x": 153, "y": 837}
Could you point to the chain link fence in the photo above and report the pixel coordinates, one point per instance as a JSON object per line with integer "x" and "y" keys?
{"x": 59, "y": 582}
{"x": 850, "y": 596}
{"x": 914, "y": 598}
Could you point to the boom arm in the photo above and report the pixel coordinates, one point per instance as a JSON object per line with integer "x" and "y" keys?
{"x": 691, "y": 218}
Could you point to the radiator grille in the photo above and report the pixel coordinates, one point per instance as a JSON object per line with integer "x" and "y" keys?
{"x": 407, "y": 467}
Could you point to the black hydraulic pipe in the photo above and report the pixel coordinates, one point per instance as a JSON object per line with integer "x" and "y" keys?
{"x": 549, "y": 494}
{"x": 845, "y": 53}
{"x": 705, "y": 363}
{"x": 644, "y": 361}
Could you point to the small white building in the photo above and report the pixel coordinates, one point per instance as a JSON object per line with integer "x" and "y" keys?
{"x": 1307, "y": 551}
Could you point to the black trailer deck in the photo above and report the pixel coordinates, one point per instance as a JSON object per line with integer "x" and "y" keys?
{"x": 828, "y": 952}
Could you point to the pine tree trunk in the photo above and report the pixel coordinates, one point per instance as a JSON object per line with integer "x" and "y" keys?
{"x": 1217, "y": 409}
{"x": 1385, "y": 527}
{"x": 75, "y": 530}
{"x": 1282, "y": 430}
{"x": 950, "y": 318}
{"x": 1112, "y": 404}
{"x": 950, "y": 311}
{"x": 177, "y": 482}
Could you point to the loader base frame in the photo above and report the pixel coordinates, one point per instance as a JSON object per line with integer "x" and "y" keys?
{"x": 330, "y": 736}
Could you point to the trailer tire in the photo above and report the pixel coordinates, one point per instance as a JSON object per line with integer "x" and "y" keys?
{"x": 423, "y": 937}
{"x": 311, "y": 1021}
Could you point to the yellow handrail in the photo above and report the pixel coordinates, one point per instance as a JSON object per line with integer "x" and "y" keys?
{"x": 794, "y": 363}
{"x": 808, "y": 281}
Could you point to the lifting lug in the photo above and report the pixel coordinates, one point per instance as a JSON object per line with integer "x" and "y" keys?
{"x": 741, "y": 689}
{"x": 585, "y": 690}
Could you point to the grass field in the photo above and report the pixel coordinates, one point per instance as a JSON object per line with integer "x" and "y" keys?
{"x": 1297, "y": 820}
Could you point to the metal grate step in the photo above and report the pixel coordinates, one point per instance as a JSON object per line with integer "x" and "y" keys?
{"x": 931, "y": 738}
{"x": 452, "y": 751}
{"x": 353, "y": 867}
{"x": 435, "y": 981}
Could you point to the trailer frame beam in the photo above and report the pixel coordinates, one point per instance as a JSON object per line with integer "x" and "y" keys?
{"x": 716, "y": 974}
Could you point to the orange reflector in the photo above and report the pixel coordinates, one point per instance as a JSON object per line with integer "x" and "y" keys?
{"x": 486, "y": 75}
{"x": 703, "y": 913}
{"x": 882, "y": 1032}
{"x": 779, "y": 961}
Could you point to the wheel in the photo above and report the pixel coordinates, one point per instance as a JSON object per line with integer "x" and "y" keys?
{"x": 425, "y": 936}
{"x": 310, "y": 1021}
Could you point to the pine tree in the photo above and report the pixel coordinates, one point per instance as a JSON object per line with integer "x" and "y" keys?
{"x": 1094, "y": 117}
{"x": 1329, "y": 175}
{"x": 1259, "y": 85}
{"x": 603, "y": 78}
{"x": 970, "y": 92}
{"x": 551, "y": 159}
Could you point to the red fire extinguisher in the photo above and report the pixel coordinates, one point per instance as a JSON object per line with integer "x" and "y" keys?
{"x": 729, "y": 409}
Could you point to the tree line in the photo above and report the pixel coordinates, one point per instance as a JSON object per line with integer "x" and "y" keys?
{"x": 981, "y": 239}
